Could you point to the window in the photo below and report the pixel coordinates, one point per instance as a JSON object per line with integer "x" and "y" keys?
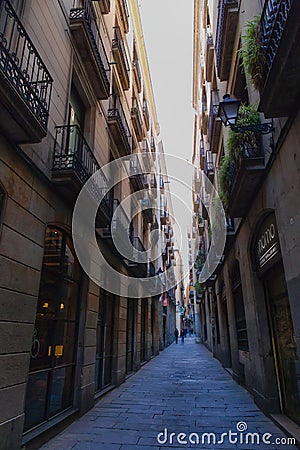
{"x": 240, "y": 317}
{"x": 52, "y": 362}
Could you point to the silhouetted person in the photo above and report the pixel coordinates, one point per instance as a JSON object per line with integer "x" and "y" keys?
{"x": 182, "y": 336}
{"x": 176, "y": 334}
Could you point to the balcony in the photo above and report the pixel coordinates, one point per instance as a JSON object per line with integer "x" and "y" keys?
{"x": 146, "y": 115}
{"x": 120, "y": 57}
{"x": 280, "y": 34}
{"x": 201, "y": 154}
{"x": 73, "y": 161}
{"x": 137, "y": 74}
{"x": 139, "y": 269}
{"x": 163, "y": 217}
{"x": 226, "y": 30}
{"x": 209, "y": 170}
{"x": 137, "y": 120}
{"x": 25, "y": 83}
{"x": 118, "y": 126}
{"x": 148, "y": 211}
{"x": 104, "y": 6}
{"x": 246, "y": 177}
{"x": 153, "y": 146}
{"x": 86, "y": 34}
{"x": 204, "y": 116}
{"x": 146, "y": 155}
{"x": 124, "y": 14}
{"x": 214, "y": 122}
{"x": 136, "y": 172}
{"x": 209, "y": 55}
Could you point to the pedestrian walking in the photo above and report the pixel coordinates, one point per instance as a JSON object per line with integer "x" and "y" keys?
{"x": 182, "y": 336}
{"x": 176, "y": 334}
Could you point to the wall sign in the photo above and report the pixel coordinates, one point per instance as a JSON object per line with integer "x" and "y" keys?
{"x": 267, "y": 245}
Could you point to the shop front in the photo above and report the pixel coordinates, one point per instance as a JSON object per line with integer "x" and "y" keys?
{"x": 50, "y": 386}
{"x": 270, "y": 270}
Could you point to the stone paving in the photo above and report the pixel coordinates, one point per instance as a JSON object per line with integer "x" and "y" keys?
{"x": 183, "y": 390}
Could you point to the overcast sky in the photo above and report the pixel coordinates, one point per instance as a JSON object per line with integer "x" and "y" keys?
{"x": 168, "y": 35}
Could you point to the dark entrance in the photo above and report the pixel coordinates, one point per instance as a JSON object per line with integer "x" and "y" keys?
{"x": 105, "y": 340}
{"x": 130, "y": 334}
{"x": 270, "y": 269}
{"x": 283, "y": 341}
{"x": 144, "y": 313}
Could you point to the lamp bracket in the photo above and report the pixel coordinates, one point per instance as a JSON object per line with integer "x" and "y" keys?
{"x": 262, "y": 128}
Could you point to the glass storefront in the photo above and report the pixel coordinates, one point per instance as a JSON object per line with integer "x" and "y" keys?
{"x": 52, "y": 362}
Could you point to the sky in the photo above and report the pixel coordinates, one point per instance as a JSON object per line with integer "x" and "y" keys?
{"x": 168, "y": 35}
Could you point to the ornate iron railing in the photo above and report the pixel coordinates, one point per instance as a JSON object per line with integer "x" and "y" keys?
{"x": 136, "y": 66}
{"x": 83, "y": 9}
{"x": 116, "y": 111}
{"x": 273, "y": 20}
{"x": 146, "y": 113}
{"x": 213, "y": 111}
{"x": 135, "y": 110}
{"x": 248, "y": 152}
{"x": 220, "y": 27}
{"x": 73, "y": 153}
{"x": 152, "y": 144}
{"x": 21, "y": 64}
{"x": 125, "y": 14}
{"x": 118, "y": 43}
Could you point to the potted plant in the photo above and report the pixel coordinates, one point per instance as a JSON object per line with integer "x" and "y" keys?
{"x": 239, "y": 145}
{"x": 252, "y": 53}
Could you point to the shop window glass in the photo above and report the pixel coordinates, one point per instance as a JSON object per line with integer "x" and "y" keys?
{"x": 52, "y": 362}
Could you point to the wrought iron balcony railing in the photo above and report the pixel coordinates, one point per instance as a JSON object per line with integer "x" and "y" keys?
{"x": 245, "y": 175}
{"x": 273, "y": 20}
{"x": 152, "y": 144}
{"x": 214, "y": 122}
{"x": 119, "y": 125}
{"x": 124, "y": 14}
{"x": 83, "y": 13}
{"x": 137, "y": 73}
{"x": 146, "y": 115}
{"x": 137, "y": 121}
{"x": 119, "y": 52}
{"x": 209, "y": 55}
{"x": 226, "y": 29}
{"x": 280, "y": 33}
{"x": 22, "y": 70}
{"x": 72, "y": 153}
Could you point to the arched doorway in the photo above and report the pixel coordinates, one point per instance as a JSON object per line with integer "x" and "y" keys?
{"x": 52, "y": 363}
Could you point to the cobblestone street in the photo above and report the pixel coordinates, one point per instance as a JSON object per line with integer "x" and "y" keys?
{"x": 183, "y": 390}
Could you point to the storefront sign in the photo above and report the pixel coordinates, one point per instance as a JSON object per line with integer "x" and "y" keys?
{"x": 267, "y": 245}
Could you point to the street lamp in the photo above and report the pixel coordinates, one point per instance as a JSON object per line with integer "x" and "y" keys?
{"x": 228, "y": 113}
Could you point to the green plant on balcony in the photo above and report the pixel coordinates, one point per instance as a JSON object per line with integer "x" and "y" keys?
{"x": 199, "y": 288}
{"x": 252, "y": 52}
{"x": 224, "y": 180}
{"x": 238, "y": 145}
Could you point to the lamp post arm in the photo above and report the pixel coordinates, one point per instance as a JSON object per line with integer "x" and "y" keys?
{"x": 262, "y": 128}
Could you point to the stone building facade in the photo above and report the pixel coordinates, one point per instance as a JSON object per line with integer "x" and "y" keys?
{"x": 249, "y": 305}
{"x": 75, "y": 95}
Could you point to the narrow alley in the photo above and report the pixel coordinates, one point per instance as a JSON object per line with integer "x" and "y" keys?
{"x": 183, "y": 390}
